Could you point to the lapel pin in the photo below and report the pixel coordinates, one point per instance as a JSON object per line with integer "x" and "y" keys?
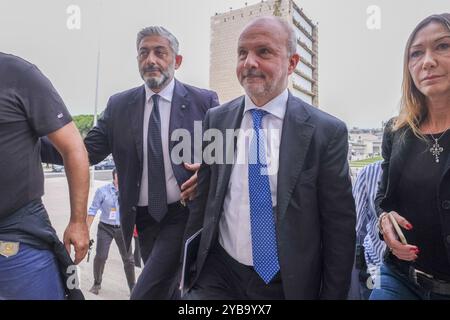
{"x": 183, "y": 107}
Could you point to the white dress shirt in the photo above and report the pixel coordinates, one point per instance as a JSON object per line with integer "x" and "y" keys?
{"x": 234, "y": 226}
{"x": 165, "y": 104}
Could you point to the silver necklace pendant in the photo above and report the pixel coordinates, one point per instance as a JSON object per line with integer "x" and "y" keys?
{"x": 436, "y": 150}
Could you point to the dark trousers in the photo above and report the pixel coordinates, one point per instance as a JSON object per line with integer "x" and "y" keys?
{"x": 223, "y": 278}
{"x": 160, "y": 245}
{"x": 105, "y": 235}
{"x": 359, "y": 288}
{"x": 137, "y": 253}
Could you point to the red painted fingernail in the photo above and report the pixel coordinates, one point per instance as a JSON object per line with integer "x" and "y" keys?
{"x": 409, "y": 226}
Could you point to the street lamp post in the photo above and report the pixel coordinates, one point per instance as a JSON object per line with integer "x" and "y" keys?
{"x": 97, "y": 83}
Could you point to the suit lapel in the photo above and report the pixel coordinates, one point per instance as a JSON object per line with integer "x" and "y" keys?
{"x": 295, "y": 140}
{"x": 136, "y": 117}
{"x": 231, "y": 119}
{"x": 179, "y": 107}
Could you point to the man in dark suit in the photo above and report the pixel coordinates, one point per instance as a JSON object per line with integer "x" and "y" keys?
{"x": 137, "y": 127}
{"x": 281, "y": 223}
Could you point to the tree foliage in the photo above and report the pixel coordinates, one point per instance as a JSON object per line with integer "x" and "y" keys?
{"x": 84, "y": 123}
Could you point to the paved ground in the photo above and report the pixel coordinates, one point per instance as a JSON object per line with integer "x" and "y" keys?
{"x": 56, "y": 200}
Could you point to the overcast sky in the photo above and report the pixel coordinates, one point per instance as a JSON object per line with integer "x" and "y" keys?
{"x": 359, "y": 69}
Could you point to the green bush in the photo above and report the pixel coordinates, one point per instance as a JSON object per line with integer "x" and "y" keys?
{"x": 365, "y": 162}
{"x": 84, "y": 123}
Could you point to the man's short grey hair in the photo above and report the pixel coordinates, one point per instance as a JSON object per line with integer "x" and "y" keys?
{"x": 292, "y": 37}
{"x": 158, "y": 31}
{"x": 291, "y": 44}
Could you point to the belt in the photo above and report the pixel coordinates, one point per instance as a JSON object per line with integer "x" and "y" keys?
{"x": 181, "y": 204}
{"x": 115, "y": 226}
{"x": 429, "y": 282}
{"x": 176, "y": 205}
{"x": 237, "y": 266}
{"x": 422, "y": 279}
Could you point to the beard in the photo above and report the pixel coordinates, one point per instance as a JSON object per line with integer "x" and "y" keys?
{"x": 253, "y": 89}
{"x": 266, "y": 88}
{"x": 160, "y": 81}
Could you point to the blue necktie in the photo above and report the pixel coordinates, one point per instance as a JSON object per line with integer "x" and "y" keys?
{"x": 264, "y": 243}
{"x": 157, "y": 197}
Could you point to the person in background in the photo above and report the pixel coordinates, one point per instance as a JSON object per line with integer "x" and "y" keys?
{"x": 415, "y": 186}
{"x": 137, "y": 249}
{"x": 155, "y": 189}
{"x": 106, "y": 200}
{"x": 34, "y": 263}
{"x": 369, "y": 247}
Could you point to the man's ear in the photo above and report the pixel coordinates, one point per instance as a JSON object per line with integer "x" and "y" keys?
{"x": 178, "y": 61}
{"x": 293, "y": 61}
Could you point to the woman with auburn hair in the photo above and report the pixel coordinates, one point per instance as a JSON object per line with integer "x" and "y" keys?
{"x": 413, "y": 199}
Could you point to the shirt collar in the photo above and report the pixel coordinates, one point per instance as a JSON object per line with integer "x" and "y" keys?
{"x": 113, "y": 187}
{"x": 166, "y": 93}
{"x": 276, "y": 107}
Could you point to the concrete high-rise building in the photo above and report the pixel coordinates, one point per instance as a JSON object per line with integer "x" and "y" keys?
{"x": 225, "y": 30}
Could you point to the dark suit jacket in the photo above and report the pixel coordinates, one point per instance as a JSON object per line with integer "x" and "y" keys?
{"x": 395, "y": 151}
{"x": 120, "y": 132}
{"x": 384, "y": 200}
{"x": 315, "y": 208}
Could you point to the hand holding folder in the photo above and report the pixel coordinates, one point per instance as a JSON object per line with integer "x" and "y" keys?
{"x": 189, "y": 260}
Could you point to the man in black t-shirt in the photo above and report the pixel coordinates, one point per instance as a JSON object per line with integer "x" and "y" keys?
{"x": 31, "y": 108}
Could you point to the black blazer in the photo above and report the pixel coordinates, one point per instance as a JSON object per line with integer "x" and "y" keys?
{"x": 395, "y": 151}
{"x": 315, "y": 208}
{"x": 120, "y": 131}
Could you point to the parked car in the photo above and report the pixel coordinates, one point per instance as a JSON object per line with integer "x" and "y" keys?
{"x": 106, "y": 164}
{"x": 57, "y": 168}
